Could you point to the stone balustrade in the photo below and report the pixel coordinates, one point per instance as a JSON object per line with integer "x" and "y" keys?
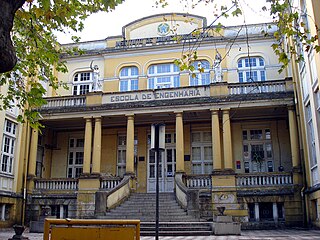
{"x": 56, "y": 184}
{"x": 198, "y": 181}
{"x": 257, "y": 87}
{"x": 109, "y": 183}
{"x": 263, "y": 179}
{"x": 204, "y": 91}
{"x": 67, "y": 101}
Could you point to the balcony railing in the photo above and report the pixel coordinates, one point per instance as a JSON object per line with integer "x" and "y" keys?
{"x": 257, "y": 87}
{"x": 170, "y": 93}
{"x": 68, "y": 101}
{"x": 198, "y": 181}
{"x": 263, "y": 179}
{"x": 56, "y": 184}
{"x": 110, "y": 182}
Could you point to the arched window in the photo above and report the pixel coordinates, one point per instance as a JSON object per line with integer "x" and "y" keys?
{"x": 128, "y": 79}
{"x": 164, "y": 75}
{"x": 82, "y": 83}
{"x": 251, "y": 69}
{"x": 198, "y": 77}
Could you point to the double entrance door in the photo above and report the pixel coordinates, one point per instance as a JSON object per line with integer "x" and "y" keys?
{"x": 167, "y": 166}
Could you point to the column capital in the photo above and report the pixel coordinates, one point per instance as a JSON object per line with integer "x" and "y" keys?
{"x": 98, "y": 119}
{"x": 291, "y": 107}
{"x": 178, "y": 113}
{"x": 88, "y": 119}
{"x": 130, "y": 116}
{"x": 214, "y": 111}
{"x": 225, "y": 110}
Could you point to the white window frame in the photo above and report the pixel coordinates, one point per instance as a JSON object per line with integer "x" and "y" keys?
{"x": 82, "y": 83}
{"x": 256, "y": 70}
{"x": 247, "y": 147}
{"x": 8, "y": 146}
{"x": 75, "y": 168}
{"x": 312, "y": 146}
{"x": 202, "y": 162}
{"x": 131, "y": 78}
{"x": 156, "y": 77}
{"x": 201, "y": 78}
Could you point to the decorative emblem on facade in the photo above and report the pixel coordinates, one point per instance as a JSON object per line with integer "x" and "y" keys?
{"x": 163, "y": 29}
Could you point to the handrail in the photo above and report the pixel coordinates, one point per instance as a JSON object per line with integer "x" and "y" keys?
{"x": 181, "y": 191}
{"x": 110, "y": 199}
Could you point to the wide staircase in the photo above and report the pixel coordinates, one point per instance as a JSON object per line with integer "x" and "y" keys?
{"x": 173, "y": 220}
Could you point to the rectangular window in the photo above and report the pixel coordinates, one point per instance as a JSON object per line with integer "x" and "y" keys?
{"x": 82, "y": 83}
{"x": 8, "y": 146}
{"x": 163, "y": 76}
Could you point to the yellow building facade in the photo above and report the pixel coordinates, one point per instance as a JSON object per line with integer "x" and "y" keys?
{"x": 307, "y": 74}
{"x": 231, "y": 128}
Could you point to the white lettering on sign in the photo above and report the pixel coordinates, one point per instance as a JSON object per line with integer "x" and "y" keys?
{"x": 156, "y": 95}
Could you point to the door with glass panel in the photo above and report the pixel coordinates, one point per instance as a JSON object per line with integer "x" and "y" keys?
{"x": 257, "y": 150}
{"x": 167, "y": 166}
{"x": 75, "y": 158}
{"x": 201, "y": 152}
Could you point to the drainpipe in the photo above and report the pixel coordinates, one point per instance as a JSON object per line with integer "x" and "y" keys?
{"x": 26, "y": 162}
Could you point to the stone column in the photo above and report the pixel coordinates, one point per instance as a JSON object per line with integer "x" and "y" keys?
{"x": 87, "y": 146}
{"x": 216, "y": 141}
{"x": 179, "y": 143}
{"x": 294, "y": 143}
{"x": 256, "y": 212}
{"x": 96, "y": 155}
{"x": 275, "y": 212}
{"x": 130, "y": 145}
{"x": 227, "y": 141}
{"x": 33, "y": 153}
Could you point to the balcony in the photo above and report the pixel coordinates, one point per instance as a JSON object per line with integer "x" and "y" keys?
{"x": 215, "y": 92}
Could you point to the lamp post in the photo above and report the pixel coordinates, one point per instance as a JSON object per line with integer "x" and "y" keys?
{"x": 157, "y": 145}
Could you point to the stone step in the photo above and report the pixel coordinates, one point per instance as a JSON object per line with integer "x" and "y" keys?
{"x": 150, "y": 218}
{"x": 177, "y": 229}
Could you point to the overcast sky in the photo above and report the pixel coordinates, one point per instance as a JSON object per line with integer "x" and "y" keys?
{"x": 103, "y": 25}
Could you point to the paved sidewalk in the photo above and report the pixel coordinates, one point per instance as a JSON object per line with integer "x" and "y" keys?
{"x": 5, "y": 234}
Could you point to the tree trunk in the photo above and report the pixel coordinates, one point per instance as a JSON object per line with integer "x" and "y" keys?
{"x": 8, "y": 58}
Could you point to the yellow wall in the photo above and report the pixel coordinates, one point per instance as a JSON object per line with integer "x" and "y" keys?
{"x": 59, "y": 156}
{"x": 109, "y": 151}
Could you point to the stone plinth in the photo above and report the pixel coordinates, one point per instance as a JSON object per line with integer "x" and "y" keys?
{"x": 225, "y": 226}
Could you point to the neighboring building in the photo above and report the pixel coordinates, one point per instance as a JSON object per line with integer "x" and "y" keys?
{"x": 10, "y": 169}
{"x": 307, "y": 74}
{"x": 231, "y": 128}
